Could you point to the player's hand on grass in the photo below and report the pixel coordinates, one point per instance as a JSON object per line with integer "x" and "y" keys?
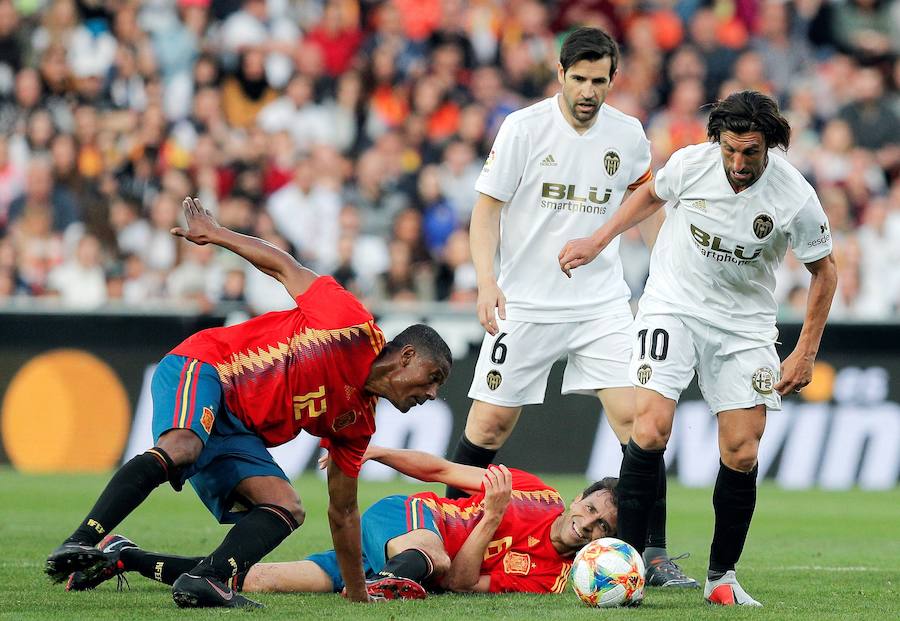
{"x": 796, "y": 373}
{"x": 578, "y": 252}
{"x": 201, "y": 226}
{"x": 497, "y": 490}
{"x": 490, "y": 297}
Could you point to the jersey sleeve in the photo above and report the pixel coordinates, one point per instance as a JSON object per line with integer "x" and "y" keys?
{"x": 326, "y": 304}
{"x": 809, "y": 233}
{"x": 526, "y": 482}
{"x": 505, "y": 164}
{"x": 670, "y": 178}
{"x": 640, "y": 169}
{"x": 347, "y": 454}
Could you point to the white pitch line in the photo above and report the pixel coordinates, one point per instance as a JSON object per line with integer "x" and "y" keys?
{"x": 827, "y": 568}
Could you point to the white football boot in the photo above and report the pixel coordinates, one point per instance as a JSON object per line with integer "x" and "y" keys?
{"x": 727, "y": 592}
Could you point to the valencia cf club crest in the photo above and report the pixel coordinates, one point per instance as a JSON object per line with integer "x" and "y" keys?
{"x": 763, "y": 225}
{"x": 207, "y": 419}
{"x": 344, "y": 420}
{"x": 493, "y": 379}
{"x": 611, "y": 163}
{"x": 643, "y": 373}
{"x": 764, "y": 380}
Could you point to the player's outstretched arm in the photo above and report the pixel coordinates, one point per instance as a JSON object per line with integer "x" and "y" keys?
{"x": 343, "y": 518}
{"x": 642, "y": 203}
{"x": 484, "y": 238}
{"x": 465, "y": 569}
{"x": 427, "y": 467}
{"x": 203, "y": 229}
{"x": 797, "y": 368}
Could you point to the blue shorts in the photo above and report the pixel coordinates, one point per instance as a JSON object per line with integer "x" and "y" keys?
{"x": 388, "y": 518}
{"x": 187, "y": 394}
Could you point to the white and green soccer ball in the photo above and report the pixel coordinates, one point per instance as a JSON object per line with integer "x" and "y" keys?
{"x": 607, "y": 573}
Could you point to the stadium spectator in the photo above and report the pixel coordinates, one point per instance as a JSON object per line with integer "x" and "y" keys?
{"x": 138, "y": 89}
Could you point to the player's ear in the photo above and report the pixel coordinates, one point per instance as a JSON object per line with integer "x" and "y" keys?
{"x": 612, "y": 78}
{"x": 560, "y": 73}
{"x": 407, "y": 354}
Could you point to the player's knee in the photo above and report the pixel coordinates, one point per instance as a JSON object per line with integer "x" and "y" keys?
{"x": 490, "y": 430}
{"x": 296, "y": 509}
{"x": 741, "y": 455}
{"x": 181, "y": 445}
{"x": 441, "y": 561}
{"x": 652, "y": 431}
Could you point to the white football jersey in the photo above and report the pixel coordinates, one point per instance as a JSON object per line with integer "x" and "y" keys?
{"x": 716, "y": 255}
{"x": 559, "y": 185}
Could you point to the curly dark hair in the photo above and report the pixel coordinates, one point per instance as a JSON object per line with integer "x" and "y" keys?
{"x": 749, "y": 111}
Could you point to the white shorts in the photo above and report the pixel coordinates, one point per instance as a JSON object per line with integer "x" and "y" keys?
{"x": 513, "y": 366}
{"x": 734, "y": 371}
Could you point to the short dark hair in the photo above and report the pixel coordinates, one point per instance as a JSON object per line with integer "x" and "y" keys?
{"x": 589, "y": 44}
{"x": 608, "y": 484}
{"x": 425, "y": 340}
{"x": 749, "y": 111}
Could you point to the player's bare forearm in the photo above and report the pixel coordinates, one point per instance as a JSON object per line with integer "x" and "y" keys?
{"x": 484, "y": 238}
{"x": 343, "y": 518}
{"x": 797, "y": 368}
{"x": 202, "y": 229}
{"x": 465, "y": 569}
{"x": 818, "y": 302}
{"x": 427, "y": 467}
{"x": 649, "y": 227}
{"x": 640, "y": 205}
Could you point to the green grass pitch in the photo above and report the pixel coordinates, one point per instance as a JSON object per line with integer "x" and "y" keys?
{"x": 810, "y": 555}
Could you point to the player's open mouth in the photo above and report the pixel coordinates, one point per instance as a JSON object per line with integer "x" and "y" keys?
{"x": 578, "y": 534}
{"x": 740, "y": 175}
{"x": 586, "y": 107}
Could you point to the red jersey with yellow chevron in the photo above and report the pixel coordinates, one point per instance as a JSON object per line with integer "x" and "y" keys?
{"x": 303, "y": 368}
{"x": 520, "y": 558}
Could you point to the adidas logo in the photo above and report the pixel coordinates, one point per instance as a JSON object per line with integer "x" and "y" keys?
{"x": 548, "y": 161}
{"x": 698, "y": 204}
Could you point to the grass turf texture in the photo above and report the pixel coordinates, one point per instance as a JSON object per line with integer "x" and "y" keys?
{"x": 810, "y": 555}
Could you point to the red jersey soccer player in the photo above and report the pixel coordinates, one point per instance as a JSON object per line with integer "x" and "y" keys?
{"x": 225, "y": 394}
{"x": 515, "y": 534}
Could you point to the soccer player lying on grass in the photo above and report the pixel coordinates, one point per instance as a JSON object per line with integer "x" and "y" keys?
{"x": 513, "y": 535}
{"x": 225, "y": 394}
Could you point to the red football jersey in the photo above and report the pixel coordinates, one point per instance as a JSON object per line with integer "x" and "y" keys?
{"x": 304, "y": 368}
{"x": 520, "y": 558}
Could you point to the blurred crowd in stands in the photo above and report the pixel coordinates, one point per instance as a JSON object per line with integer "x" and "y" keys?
{"x": 351, "y": 133}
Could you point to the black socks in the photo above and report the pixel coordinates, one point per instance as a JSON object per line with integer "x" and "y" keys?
{"x": 469, "y": 454}
{"x": 413, "y": 564}
{"x": 128, "y": 488}
{"x": 258, "y": 533}
{"x": 160, "y": 567}
{"x": 734, "y": 500}
{"x": 638, "y": 488}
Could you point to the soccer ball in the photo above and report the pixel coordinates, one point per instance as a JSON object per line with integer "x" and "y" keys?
{"x": 607, "y": 573}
